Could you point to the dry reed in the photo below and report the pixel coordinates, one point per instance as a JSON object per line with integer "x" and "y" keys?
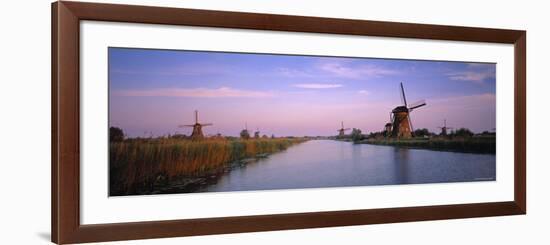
{"x": 138, "y": 163}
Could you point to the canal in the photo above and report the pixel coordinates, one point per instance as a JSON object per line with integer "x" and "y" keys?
{"x": 328, "y": 163}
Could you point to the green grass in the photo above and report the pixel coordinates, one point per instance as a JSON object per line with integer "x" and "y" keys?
{"x": 136, "y": 164}
{"x": 483, "y": 145}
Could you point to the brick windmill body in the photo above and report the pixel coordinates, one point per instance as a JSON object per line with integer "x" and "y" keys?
{"x": 401, "y": 125}
{"x": 342, "y": 131}
{"x": 197, "y": 128}
{"x": 257, "y": 133}
{"x": 444, "y": 129}
{"x": 244, "y": 133}
{"x": 388, "y": 129}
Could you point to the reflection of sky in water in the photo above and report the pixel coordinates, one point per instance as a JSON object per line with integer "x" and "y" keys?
{"x": 335, "y": 164}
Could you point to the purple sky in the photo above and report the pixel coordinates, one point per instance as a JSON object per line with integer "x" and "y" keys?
{"x": 154, "y": 91}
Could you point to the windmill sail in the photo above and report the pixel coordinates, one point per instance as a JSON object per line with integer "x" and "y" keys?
{"x": 403, "y": 98}
{"x": 342, "y": 130}
{"x": 417, "y": 104}
{"x": 401, "y": 123}
{"x": 197, "y": 133}
{"x": 411, "y": 124}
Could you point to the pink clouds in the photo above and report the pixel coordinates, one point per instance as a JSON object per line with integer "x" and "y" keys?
{"x": 222, "y": 92}
{"x": 342, "y": 70}
{"x": 477, "y": 74}
{"x": 339, "y": 70}
{"x": 471, "y": 76}
{"x": 293, "y": 72}
{"x": 317, "y": 85}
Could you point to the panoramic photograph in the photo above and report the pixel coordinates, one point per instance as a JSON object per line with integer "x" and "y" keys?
{"x": 206, "y": 121}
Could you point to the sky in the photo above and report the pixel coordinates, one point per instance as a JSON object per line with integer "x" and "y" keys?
{"x": 152, "y": 92}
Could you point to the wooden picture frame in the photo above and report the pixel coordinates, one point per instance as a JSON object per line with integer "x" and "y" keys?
{"x": 66, "y": 226}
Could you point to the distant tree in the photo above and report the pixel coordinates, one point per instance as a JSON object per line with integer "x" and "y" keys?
{"x": 376, "y": 135}
{"x": 116, "y": 134}
{"x": 356, "y": 134}
{"x": 487, "y": 133}
{"x": 178, "y": 136}
{"x": 421, "y": 132}
{"x": 463, "y": 132}
{"x": 244, "y": 134}
{"x": 273, "y": 136}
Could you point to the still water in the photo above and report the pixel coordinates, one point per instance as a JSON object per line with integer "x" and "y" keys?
{"x": 327, "y": 163}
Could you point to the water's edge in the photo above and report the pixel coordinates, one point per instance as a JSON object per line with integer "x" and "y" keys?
{"x": 342, "y": 164}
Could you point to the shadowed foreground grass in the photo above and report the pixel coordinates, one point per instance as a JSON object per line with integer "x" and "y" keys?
{"x": 484, "y": 145}
{"x": 136, "y": 165}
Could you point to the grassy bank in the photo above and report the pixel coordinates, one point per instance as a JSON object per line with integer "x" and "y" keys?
{"x": 483, "y": 145}
{"x": 137, "y": 165}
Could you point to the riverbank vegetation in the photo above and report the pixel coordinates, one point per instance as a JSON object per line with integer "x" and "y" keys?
{"x": 461, "y": 140}
{"x": 138, "y": 165}
{"x": 485, "y": 145}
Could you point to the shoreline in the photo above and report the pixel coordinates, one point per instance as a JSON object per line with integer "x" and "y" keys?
{"x": 162, "y": 181}
{"x": 186, "y": 184}
{"x": 475, "y": 145}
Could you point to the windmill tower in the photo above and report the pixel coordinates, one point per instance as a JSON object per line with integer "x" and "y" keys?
{"x": 244, "y": 133}
{"x": 342, "y": 131}
{"x": 401, "y": 119}
{"x": 387, "y": 129}
{"x": 444, "y": 128}
{"x": 197, "y": 128}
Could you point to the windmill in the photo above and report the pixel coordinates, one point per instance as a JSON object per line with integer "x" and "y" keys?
{"x": 257, "y": 133}
{"x": 387, "y": 129}
{"x": 401, "y": 119}
{"x": 342, "y": 130}
{"x": 244, "y": 133}
{"x": 197, "y": 127}
{"x": 444, "y": 128}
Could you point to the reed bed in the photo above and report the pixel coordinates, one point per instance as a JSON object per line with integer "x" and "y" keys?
{"x": 137, "y": 164}
{"x": 481, "y": 145}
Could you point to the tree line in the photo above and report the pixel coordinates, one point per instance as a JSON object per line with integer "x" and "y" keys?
{"x": 357, "y": 135}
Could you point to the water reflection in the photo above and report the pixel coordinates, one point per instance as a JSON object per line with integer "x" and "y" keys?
{"x": 356, "y": 157}
{"x": 401, "y": 163}
{"x": 326, "y": 163}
